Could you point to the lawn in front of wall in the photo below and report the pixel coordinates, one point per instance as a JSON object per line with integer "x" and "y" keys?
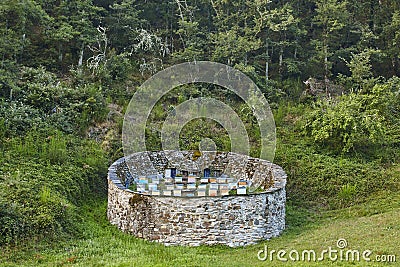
{"x": 372, "y": 226}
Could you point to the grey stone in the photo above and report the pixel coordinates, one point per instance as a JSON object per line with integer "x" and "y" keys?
{"x": 228, "y": 220}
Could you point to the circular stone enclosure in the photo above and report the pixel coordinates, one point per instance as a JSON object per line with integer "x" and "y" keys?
{"x": 233, "y": 219}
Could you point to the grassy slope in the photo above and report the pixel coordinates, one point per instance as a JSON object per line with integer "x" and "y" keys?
{"x": 372, "y": 225}
{"x": 363, "y": 226}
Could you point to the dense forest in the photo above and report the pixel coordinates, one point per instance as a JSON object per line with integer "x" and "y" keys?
{"x": 330, "y": 70}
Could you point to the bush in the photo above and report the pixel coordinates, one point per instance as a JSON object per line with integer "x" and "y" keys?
{"x": 42, "y": 101}
{"x": 317, "y": 180}
{"x": 347, "y": 194}
{"x": 44, "y": 177}
{"x": 39, "y": 89}
{"x": 356, "y": 120}
{"x": 18, "y": 118}
{"x": 352, "y": 120}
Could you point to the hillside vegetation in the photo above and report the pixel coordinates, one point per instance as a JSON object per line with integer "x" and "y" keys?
{"x": 68, "y": 70}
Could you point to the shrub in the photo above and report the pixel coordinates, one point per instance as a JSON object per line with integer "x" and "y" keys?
{"x": 318, "y": 180}
{"x": 347, "y": 194}
{"x": 348, "y": 122}
{"x": 43, "y": 178}
{"x": 18, "y": 118}
{"x": 353, "y": 121}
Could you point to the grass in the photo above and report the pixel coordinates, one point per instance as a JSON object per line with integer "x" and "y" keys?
{"x": 373, "y": 225}
{"x": 319, "y": 185}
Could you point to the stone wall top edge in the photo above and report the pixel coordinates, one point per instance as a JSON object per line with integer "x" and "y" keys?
{"x": 278, "y": 174}
{"x": 266, "y": 192}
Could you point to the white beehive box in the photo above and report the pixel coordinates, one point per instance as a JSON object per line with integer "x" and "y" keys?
{"x": 224, "y": 192}
{"x": 204, "y": 180}
{"x": 212, "y": 192}
{"x": 191, "y": 186}
{"x": 155, "y": 193}
{"x": 241, "y": 191}
{"x": 167, "y": 192}
{"x": 178, "y": 179}
{"x": 192, "y": 179}
{"x": 177, "y": 192}
{"x": 201, "y": 193}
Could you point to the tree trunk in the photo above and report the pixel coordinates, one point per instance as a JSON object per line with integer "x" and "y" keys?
{"x": 180, "y": 10}
{"x": 326, "y": 66}
{"x": 267, "y": 62}
{"x": 60, "y": 55}
{"x": 396, "y": 66}
{"x": 81, "y": 56}
{"x": 280, "y": 61}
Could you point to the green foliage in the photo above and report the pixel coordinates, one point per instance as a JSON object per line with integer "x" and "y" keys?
{"x": 62, "y": 62}
{"x": 360, "y": 66}
{"x": 21, "y": 22}
{"x": 29, "y": 208}
{"x": 198, "y": 129}
{"x": 133, "y": 187}
{"x": 331, "y": 16}
{"x": 39, "y": 88}
{"x": 41, "y": 101}
{"x": 347, "y": 194}
{"x": 18, "y": 117}
{"x": 352, "y": 120}
{"x": 361, "y": 70}
{"x": 320, "y": 181}
{"x": 42, "y": 180}
{"x": 55, "y": 149}
{"x": 357, "y": 119}
{"x": 233, "y": 192}
{"x": 233, "y": 46}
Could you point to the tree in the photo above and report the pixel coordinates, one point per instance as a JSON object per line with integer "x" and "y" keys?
{"x": 233, "y": 46}
{"x": 331, "y": 16}
{"x": 73, "y": 28}
{"x": 123, "y": 22}
{"x": 21, "y": 23}
{"x": 361, "y": 70}
{"x": 189, "y": 32}
{"x": 235, "y": 38}
{"x": 280, "y": 29}
{"x": 391, "y": 34}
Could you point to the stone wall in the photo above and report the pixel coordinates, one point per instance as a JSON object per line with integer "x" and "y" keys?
{"x": 230, "y": 220}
